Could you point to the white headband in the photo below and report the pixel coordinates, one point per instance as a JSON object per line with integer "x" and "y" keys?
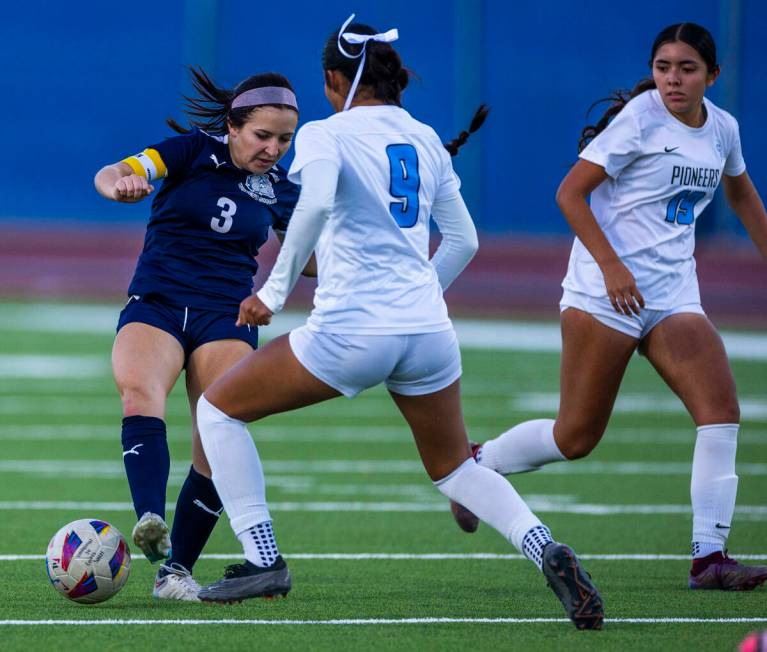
{"x": 266, "y": 95}
{"x": 351, "y": 37}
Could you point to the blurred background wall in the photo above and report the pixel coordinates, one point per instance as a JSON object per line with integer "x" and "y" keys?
{"x": 88, "y": 83}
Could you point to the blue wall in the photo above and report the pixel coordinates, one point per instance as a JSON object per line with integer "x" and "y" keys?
{"x": 89, "y": 83}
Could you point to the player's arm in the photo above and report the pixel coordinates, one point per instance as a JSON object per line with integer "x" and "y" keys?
{"x": 315, "y": 204}
{"x": 129, "y": 181}
{"x": 459, "y": 239}
{"x": 572, "y": 198}
{"x": 310, "y": 269}
{"x": 744, "y": 200}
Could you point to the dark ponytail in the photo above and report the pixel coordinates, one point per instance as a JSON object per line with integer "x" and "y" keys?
{"x": 618, "y": 100}
{"x": 476, "y": 122}
{"x": 384, "y": 73}
{"x": 697, "y": 37}
{"x": 213, "y": 104}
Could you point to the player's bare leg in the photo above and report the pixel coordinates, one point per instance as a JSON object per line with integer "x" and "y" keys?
{"x": 436, "y": 421}
{"x": 146, "y": 361}
{"x": 198, "y": 506}
{"x": 689, "y": 355}
{"x": 265, "y": 382}
{"x": 594, "y": 360}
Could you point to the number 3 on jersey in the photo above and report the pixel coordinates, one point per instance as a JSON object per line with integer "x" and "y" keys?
{"x": 404, "y": 185}
{"x": 224, "y": 223}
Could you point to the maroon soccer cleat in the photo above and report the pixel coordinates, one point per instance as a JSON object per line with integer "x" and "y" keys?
{"x": 720, "y": 572}
{"x": 466, "y": 519}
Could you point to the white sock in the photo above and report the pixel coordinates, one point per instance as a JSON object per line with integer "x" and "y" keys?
{"x": 713, "y": 487}
{"x": 236, "y": 472}
{"x": 259, "y": 544}
{"x": 492, "y": 499}
{"x": 526, "y": 447}
{"x": 534, "y": 542}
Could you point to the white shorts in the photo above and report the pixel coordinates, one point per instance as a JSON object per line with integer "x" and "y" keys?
{"x": 637, "y": 326}
{"x": 407, "y": 364}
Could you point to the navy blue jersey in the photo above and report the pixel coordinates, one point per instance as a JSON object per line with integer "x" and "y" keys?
{"x": 208, "y": 221}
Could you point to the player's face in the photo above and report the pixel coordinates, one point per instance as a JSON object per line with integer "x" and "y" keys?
{"x": 682, "y": 78}
{"x": 263, "y": 140}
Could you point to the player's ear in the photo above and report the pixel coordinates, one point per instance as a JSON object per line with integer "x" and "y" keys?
{"x": 712, "y": 76}
{"x": 333, "y": 80}
{"x": 233, "y": 131}
{"x": 329, "y": 79}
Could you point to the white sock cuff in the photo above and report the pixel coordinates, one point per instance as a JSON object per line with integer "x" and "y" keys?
{"x": 258, "y": 514}
{"x": 456, "y": 472}
{"x": 719, "y": 430}
{"x": 209, "y": 413}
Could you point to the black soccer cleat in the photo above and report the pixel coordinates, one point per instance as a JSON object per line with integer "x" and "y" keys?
{"x": 573, "y": 586}
{"x": 243, "y": 581}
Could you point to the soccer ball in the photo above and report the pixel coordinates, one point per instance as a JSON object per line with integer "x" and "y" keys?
{"x": 88, "y": 561}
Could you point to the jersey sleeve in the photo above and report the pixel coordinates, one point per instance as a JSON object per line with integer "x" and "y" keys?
{"x": 734, "y": 164}
{"x": 617, "y": 146}
{"x": 449, "y": 183}
{"x": 313, "y": 143}
{"x": 168, "y": 158}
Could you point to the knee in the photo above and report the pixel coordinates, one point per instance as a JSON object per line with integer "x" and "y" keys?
{"x": 577, "y": 440}
{"x": 724, "y": 409}
{"x": 443, "y": 468}
{"x": 140, "y": 398}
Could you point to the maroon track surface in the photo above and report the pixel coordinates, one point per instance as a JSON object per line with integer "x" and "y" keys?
{"x": 510, "y": 277}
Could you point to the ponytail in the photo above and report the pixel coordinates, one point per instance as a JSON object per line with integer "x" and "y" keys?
{"x": 213, "y": 104}
{"x": 618, "y": 100}
{"x": 476, "y": 122}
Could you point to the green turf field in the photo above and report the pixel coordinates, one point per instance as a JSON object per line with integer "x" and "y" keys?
{"x": 376, "y": 560}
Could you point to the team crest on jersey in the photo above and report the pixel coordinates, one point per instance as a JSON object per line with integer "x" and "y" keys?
{"x": 260, "y": 188}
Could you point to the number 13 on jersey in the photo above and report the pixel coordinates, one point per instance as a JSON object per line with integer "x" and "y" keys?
{"x": 404, "y": 185}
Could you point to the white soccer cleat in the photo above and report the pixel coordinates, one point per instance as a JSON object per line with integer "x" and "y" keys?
{"x": 152, "y": 536}
{"x": 174, "y": 582}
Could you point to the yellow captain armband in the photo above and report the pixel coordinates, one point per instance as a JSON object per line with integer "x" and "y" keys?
{"x": 147, "y": 164}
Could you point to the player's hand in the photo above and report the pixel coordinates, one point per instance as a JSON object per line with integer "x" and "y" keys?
{"x": 622, "y": 288}
{"x": 131, "y": 189}
{"x": 254, "y": 312}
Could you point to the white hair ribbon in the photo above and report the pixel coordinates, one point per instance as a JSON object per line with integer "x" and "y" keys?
{"x": 351, "y": 37}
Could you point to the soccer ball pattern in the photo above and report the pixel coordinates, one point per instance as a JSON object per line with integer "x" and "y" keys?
{"x": 88, "y": 561}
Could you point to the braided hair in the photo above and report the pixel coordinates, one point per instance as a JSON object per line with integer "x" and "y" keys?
{"x": 476, "y": 122}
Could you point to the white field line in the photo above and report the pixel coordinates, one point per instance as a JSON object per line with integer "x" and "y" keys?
{"x": 743, "y": 512}
{"x": 373, "y": 621}
{"x": 428, "y": 556}
{"x": 46, "y": 366}
{"x": 361, "y": 434}
{"x": 751, "y": 408}
{"x": 114, "y": 468}
{"x": 477, "y": 334}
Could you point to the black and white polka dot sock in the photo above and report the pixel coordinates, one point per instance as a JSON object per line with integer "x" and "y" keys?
{"x": 533, "y": 543}
{"x": 259, "y": 544}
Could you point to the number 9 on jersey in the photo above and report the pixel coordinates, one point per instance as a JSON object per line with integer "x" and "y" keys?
{"x": 404, "y": 185}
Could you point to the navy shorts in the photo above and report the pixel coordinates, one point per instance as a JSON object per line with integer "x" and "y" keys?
{"x": 192, "y": 327}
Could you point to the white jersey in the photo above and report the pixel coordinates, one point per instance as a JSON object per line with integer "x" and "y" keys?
{"x": 662, "y": 174}
{"x": 374, "y": 273}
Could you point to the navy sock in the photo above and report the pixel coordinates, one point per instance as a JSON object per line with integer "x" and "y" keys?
{"x": 197, "y": 511}
{"x": 147, "y": 462}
